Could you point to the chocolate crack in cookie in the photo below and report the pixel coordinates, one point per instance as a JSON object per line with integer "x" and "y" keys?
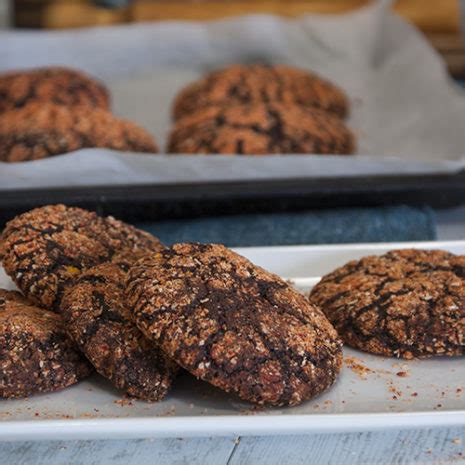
{"x": 406, "y": 303}
{"x": 233, "y": 324}
{"x": 61, "y": 86}
{"x": 43, "y": 130}
{"x": 99, "y": 321}
{"x": 260, "y": 129}
{"x": 36, "y": 355}
{"x": 46, "y": 248}
{"x": 239, "y": 84}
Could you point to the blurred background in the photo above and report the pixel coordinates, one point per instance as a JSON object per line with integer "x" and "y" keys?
{"x": 440, "y": 20}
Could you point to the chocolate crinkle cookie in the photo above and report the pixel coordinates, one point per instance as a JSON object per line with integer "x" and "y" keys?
{"x": 233, "y": 324}
{"x": 99, "y": 321}
{"x": 41, "y": 130}
{"x": 46, "y": 248}
{"x": 241, "y": 84}
{"x": 260, "y": 129}
{"x": 52, "y": 84}
{"x": 36, "y": 355}
{"x": 406, "y": 303}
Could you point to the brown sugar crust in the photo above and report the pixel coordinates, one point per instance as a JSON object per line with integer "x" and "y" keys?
{"x": 239, "y": 84}
{"x": 43, "y": 130}
{"x": 46, "y": 248}
{"x": 406, "y": 303}
{"x": 260, "y": 129}
{"x": 36, "y": 355}
{"x": 233, "y": 324}
{"x": 58, "y": 85}
{"x": 98, "y": 320}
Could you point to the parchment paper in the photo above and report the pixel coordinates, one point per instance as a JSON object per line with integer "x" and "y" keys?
{"x": 409, "y": 117}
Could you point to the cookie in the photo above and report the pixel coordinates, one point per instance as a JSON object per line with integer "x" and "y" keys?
{"x": 233, "y": 324}
{"x": 46, "y": 248}
{"x": 260, "y": 129}
{"x": 406, "y": 303}
{"x": 240, "y": 84}
{"x": 53, "y": 84}
{"x": 98, "y": 320}
{"x": 36, "y": 355}
{"x": 43, "y": 130}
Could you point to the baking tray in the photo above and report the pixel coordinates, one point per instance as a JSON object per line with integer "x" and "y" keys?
{"x": 372, "y": 392}
{"x": 406, "y": 114}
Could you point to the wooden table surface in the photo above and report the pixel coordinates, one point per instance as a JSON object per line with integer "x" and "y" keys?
{"x": 444, "y": 446}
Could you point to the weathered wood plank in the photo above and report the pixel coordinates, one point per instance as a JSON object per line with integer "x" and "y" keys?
{"x": 201, "y": 451}
{"x": 444, "y": 446}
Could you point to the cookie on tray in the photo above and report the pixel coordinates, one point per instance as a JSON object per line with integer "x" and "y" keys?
{"x": 52, "y": 84}
{"x": 406, "y": 303}
{"x": 99, "y": 321}
{"x": 46, "y": 248}
{"x": 233, "y": 324}
{"x": 36, "y": 355}
{"x": 260, "y": 129}
{"x": 239, "y": 84}
{"x": 44, "y": 130}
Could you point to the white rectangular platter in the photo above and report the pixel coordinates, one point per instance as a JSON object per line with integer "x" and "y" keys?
{"x": 371, "y": 393}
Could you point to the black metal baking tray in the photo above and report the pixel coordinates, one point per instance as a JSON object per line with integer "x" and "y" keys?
{"x": 151, "y": 202}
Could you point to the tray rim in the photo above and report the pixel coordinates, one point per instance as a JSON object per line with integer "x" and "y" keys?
{"x": 441, "y": 190}
{"x": 224, "y": 425}
{"x": 240, "y": 425}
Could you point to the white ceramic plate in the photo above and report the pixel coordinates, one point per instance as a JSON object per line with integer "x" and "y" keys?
{"x": 371, "y": 393}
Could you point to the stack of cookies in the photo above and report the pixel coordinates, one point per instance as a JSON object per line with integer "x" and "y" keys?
{"x": 258, "y": 110}
{"x": 98, "y": 292}
{"x": 53, "y": 110}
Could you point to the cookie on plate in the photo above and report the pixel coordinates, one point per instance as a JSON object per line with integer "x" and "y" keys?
{"x": 46, "y": 248}
{"x": 52, "y": 84}
{"x": 260, "y": 129}
{"x": 234, "y": 324}
{"x": 42, "y": 130}
{"x": 99, "y": 321}
{"x": 406, "y": 303}
{"x": 36, "y": 355}
{"x": 239, "y": 84}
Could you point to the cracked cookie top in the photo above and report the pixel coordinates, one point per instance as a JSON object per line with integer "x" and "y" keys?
{"x": 45, "y": 249}
{"x": 99, "y": 321}
{"x": 53, "y": 84}
{"x": 36, "y": 355}
{"x": 41, "y": 130}
{"x": 407, "y": 303}
{"x": 259, "y": 129}
{"x": 238, "y": 84}
{"x": 233, "y": 324}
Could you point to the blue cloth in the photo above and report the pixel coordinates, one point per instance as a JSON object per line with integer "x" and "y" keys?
{"x": 382, "y": 224}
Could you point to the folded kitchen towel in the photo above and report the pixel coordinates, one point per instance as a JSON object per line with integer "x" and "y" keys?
{"x": 382, "y": 224}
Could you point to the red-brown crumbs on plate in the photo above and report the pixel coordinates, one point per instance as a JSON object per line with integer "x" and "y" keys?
{"x": 357, "y": 367}
{"x": 123, "y": 402}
